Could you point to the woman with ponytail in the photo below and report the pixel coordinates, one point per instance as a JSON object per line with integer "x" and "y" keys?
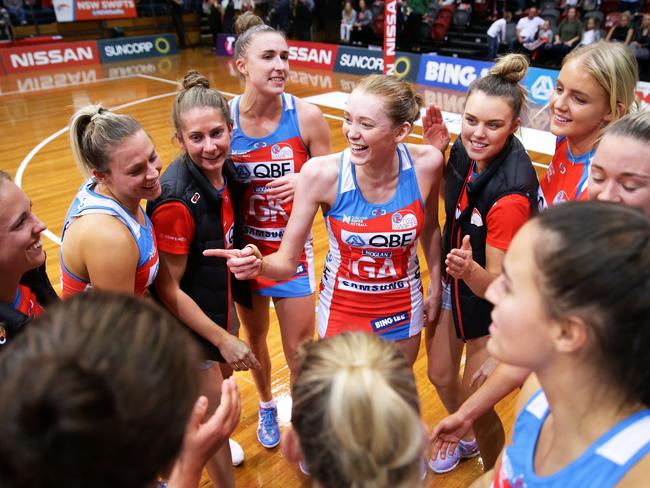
{"x": 378, "y": 197}
{"x": 490, "y": 190}
{"x": 274, "y": 134}
{"x": 107, "y": 240}
{"x": 201, "y": 207}
{"x": 355, "y": 418}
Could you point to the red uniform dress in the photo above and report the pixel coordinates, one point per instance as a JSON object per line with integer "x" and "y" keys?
{"x": 258, "y": 162}
{"x": 25, "y": 302}
{"x": 567, "y": 176}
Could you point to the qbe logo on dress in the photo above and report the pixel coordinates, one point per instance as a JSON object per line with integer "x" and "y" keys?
{"x": 355, "y": 240}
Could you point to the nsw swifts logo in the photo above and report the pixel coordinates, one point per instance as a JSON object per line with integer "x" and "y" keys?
{"x": 281, "y": 151}
{"x": 404, "y": 220}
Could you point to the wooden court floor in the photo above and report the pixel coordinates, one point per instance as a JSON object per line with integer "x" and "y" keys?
{"x": 34, "y": 112}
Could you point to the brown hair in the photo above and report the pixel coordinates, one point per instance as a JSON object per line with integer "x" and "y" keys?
{"x": 503, "y": 81}
{"x": 401, "y": 101}
{"x": 96, "y": 392}
{"x": 196, "y": 92}
{"x": 247, "y": 26}
{"x": 94, "y": 134}
{"x": 607, "y": 287}
{"x": 356, "y": 413}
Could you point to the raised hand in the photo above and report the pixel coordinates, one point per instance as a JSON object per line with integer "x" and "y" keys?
{"x": 434, "y": 129}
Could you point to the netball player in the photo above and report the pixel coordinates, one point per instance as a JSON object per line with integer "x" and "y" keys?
{"x": 378, "y": 196}
{"x": 583, "y": 415}
{"x": 107, "y": 240}
{"x": 274, "y": 134}
{"x": 201, "y": 206}
{"x": 490, "y": 192}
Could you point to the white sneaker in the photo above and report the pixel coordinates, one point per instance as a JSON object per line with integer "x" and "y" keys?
{"x": 236, "y": 452}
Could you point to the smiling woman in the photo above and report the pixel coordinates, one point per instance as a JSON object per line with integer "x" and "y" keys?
{"x": 107, "y": 239}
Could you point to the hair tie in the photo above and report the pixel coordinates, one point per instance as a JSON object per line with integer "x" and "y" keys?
{"x": 99, "y": 113}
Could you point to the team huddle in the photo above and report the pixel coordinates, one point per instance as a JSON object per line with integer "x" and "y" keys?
{"x": 542, "y": 284}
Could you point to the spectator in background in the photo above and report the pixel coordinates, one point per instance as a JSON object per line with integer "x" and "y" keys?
{"x": 176, "y": 14}
{"x": 348, "y": 18}
{"x": 544, "y": 40}
{"x": 280, "y": 15}
{"x": 212, "y": 8}
{"x": 592, "y": 32}
{"x": 497, "y": 34}
{"x": 413, "y": 29}
{"x": 527, "y": 30}
{"x": 6, "y": 29}
{"x": 228, "y": 15}
{"x": 630, "y": 6}
{"x": 622, "y": 31}
{"x": 568, "y": 36}
{"x": 16, "y": 10}
{"x": 641, "y": 44}
{"x": 363, "y": 26}
{"x": 302, "y": 19}
{"x": 247, "y": 6}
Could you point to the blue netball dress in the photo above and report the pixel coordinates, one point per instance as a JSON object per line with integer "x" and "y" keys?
{"x": 604, "y": 464}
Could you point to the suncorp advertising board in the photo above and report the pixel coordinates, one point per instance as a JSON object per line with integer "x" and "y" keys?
{"x": 136, "y": 47}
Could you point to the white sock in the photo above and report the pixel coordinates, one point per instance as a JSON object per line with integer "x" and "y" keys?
{"x": 269, "y": 404}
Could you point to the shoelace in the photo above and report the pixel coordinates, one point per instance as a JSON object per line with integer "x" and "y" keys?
{"x": 268, "y": 417}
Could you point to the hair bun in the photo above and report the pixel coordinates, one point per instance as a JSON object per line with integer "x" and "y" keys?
{"x": 194, "y": 78}
{"x": 511, "y": 67}
{"x": 246, "y": 21}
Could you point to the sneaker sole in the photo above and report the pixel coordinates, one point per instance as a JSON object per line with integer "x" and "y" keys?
{"x": 269, "y": 446}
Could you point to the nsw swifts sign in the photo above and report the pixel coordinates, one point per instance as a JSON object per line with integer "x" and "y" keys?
{"x": 390, "y": 34}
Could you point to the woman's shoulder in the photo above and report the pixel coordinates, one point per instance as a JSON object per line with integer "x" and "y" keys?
{"x": 425, "y": 157}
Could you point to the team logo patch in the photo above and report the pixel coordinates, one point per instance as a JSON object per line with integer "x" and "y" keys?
{"x": 281, "y": 151}
{"x": 378, "y": 212}
{"x": 195, "y": 198}
{"x": 243, "y": 172}
{"x": 561, "y": 197}
{"x": 476, "y": 218}
{"x": 355, "y": 240}
{"x": 404, "y": 220}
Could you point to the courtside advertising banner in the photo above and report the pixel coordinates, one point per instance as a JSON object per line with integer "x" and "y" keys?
{"x": 225, "y": 44}
{"x": 540, "y": 84}
{"x": 406, "y": 66}
{"x": 47, "y": 56}
{"x": 359, "y": 61}
{"x": 73, "y": 10}
{"x": 312, "y": 54}
{"x": 452, "y": 73}
{"x": 136, "y": 47}
{"x": 390, "y": 33}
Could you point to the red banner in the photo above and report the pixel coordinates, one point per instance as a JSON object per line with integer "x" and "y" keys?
{"x": 62, "y": 54}
{"x": 72, "y": 10}
{"x": 312, "y": 54}
{"x": 390, "y": 35}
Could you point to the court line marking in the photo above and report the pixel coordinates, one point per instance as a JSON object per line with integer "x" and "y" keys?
{"x": 27, "y": 159}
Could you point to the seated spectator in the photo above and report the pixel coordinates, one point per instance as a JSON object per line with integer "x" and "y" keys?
{"x": 348, "y": 18}
{"x": 623, "y": 30}
{"x": 17, "y": 11}
{"x": 641, "y": 44}
{"x": 527, "y": 30}
{"x": 303, "y": 19}
{"x": 6, "y": 29}
{"x": 355, "y": 420}
{"x": 592, "y": 32}
{"x": 362, "y": 28}
{"x": 413, "y": 30}
{"x": 567, "y": 37}
{"x": 544, "y": 38}
{"x": 496, "y": 34}
{"x": 101, "y": 391}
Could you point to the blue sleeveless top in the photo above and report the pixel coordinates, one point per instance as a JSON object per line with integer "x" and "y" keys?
{"x": 604, "y": 464}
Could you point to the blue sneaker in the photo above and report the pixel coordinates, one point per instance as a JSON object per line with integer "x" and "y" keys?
{"x": 465, "y": 450}
{"x": 268, "y": 430}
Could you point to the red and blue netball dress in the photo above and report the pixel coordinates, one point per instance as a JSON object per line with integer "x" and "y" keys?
{"x": 88, "y": 202}
{"x": 258, "y": 162}
{"x": 371, "y": 281}
{"x": 605, "y": 463}
{"x": 567, "y": 176}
